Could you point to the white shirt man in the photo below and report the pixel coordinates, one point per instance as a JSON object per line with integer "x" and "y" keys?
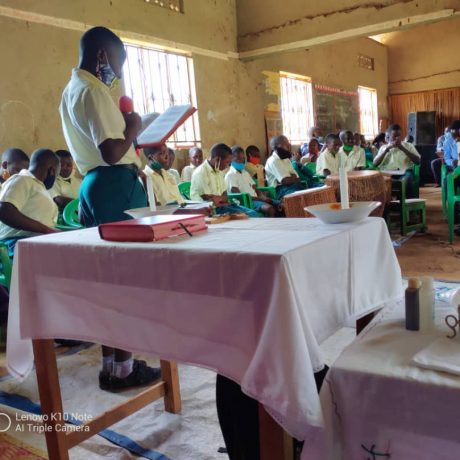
{"x": 355, "y": 159}
{"x": 327, "y": 160}
{"x": 277, "y": 169}
{"x": 242, "y": 180}
{"x": 164, "y": 187}
{"x": 68, "y": 187}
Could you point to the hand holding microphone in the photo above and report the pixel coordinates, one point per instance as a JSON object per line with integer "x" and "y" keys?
{"x": 132, "y": 119}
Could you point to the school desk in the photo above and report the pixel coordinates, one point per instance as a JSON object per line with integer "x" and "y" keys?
{"x": 251, "y": 299}
{"x": 377, "y": 404}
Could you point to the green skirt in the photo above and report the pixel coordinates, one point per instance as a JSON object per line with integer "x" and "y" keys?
{"x": 107, "y": 191}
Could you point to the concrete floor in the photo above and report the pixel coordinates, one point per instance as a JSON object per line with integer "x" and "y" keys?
{"x": 429, "y": 253}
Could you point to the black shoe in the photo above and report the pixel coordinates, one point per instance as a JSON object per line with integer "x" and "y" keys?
{"x": 140, "y": 376}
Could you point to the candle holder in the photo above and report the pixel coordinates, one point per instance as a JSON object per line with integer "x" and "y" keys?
{"x": 453, "y": 323}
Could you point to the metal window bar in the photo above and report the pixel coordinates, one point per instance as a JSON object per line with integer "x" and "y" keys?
{"x": 368, "y": 109}
{"x": 296, "y": 107}
{"x": 157, "y": 80}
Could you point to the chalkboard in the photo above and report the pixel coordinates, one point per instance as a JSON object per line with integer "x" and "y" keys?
{"x": 336, "y": 109}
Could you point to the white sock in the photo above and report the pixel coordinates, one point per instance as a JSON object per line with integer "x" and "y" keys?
{"x": 107, "y": 364}
{"x": 123, "y": 369}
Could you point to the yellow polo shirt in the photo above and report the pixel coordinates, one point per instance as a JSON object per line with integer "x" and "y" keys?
{"x": 30, "y": 197}
{"x": 90, "y": 116}
{"x": 207, "y": 181}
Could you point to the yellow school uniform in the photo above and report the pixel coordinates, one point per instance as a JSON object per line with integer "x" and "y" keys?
{"x": 30, "y": 197}
{"x": 68, "y": 187}
{"x": 207, "y": 181}
{"x": 164, "y": 186}
{"x": 277, "y": 169}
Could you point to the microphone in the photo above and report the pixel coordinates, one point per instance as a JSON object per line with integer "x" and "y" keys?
{"x": 126, "y": 105}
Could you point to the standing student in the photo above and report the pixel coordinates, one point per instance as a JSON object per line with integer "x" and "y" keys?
{"x": 398, "y": 155}
{"x": 253, "y": 165}
{"x": 330, "y": 158}
{"x": 238, "y": 180}
{"x": 67, "y": 186}
{"x": 195, "y": 155}
{"x": 354, "y": 157}
{"x": 100, "y": 139}
{"x": 26, "y": 207}
{"x": 279, "y": 170}
{"x": 14, "y": 160}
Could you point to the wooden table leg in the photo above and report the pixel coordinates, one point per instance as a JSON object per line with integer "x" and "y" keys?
{"x": 50, "y": 399}
{"x": 170, "y": 375}
{"x": 275, "y": 443}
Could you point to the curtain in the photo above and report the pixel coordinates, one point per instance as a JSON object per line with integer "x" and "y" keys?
{"x": 445, "y": 102}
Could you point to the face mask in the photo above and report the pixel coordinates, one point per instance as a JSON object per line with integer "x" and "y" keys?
{"x": 254, "y": 160}
{"x": 238, "y": 166}
{"x": 283, "y": 154}
{"x": 156, "y": 165}
{"x": 347, "y": 148}
{"x": 106, "y": 74}
{"x": 49, "y": 181}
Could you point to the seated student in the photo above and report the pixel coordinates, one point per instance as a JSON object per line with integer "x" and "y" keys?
{"x": 398, "y": 155}
{"x": 26, "y": 207}
{"x": 164, "y": 184}
{"x": 195, "y": 155}
{"x": 253, "y": 166}
{"x": 279, "y": 170}
{"x": 436, "y": 164}
{"x": 173, "y": 172}
{"x": 304, "y": 172}
{"x": 330, "y": 158}
{"x": 13, "y": 161}
{"x": 354, "y": 158}
{"x": 208, "y": 182}
{"x": 67, "y": 186}
{"x": 310, "y": 151}
{"x": 238, "y": 180}
{"x": 360, "y": 141}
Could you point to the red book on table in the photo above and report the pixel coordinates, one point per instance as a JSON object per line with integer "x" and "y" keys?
{"x": 152, "y": 228}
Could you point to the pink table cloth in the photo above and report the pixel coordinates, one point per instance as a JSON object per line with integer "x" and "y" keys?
{"x": 377, "y": 404}
{"x": 250, "y": 299}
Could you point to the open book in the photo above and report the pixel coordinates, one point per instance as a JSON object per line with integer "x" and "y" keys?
{"x": 163, "y": 126}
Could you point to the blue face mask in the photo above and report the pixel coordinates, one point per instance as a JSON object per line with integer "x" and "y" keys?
{"x": 107, "y": 75}
{"x": 238, "y": 166}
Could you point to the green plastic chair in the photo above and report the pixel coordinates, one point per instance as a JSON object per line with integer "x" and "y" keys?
{"x": 70, "y": 215}
{"x": 7, "y": 265}
{"x": 404, "y": 208}
{"x": 444, "y": 189}
{"x": 184, "y": 189}
{"x": 243, "y": 199}
{"x": 270, "y": 191}
{"x": 416, "y": 182}
{"x": 453, "y": 196}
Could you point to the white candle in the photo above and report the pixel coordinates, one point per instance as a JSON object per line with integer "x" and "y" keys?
{"x": 344, "y": 188}
{"x": 150, "y": 193}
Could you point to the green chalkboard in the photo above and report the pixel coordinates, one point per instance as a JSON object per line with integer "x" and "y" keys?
{"x": 336, "y": 110}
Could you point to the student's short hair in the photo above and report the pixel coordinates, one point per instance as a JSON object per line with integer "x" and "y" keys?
{"x": 43, "y": 157}
{"x": 63, "y": 154}
{"x": 455, "y": 125}
{"x": 97, "y": 38}
{"x": 252, "y": 149}
{"x": 14, "y": 154}
{"x": 393, "y": 127}
{"x": 193, "y": 150}
{"x": 379, "y": 138}
{"x": 152, "y": 150}
{"x": 220, "y": 150}
{"x": 236, "y": 150}
{"x": 331, "y": 137}
{"x": 344, "y": 133}
{"x": 171, "y": 152}
{"x": 275, "y": 141}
